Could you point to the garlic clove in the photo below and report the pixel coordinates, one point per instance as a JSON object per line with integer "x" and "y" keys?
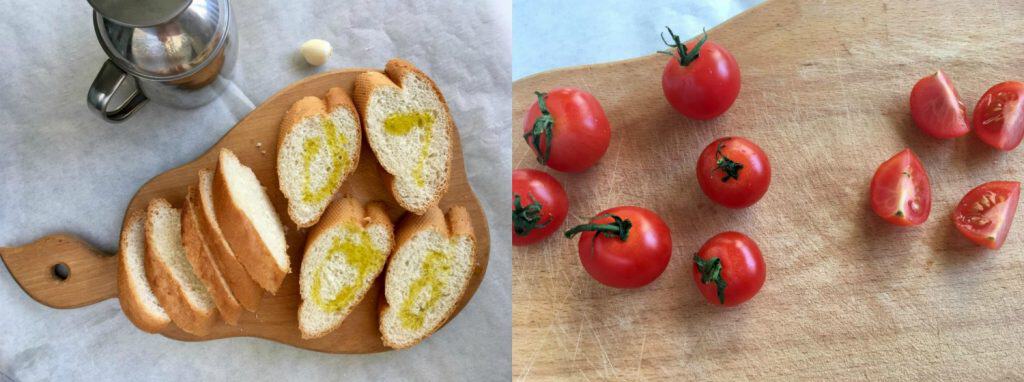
{"x": 316, "y": 51}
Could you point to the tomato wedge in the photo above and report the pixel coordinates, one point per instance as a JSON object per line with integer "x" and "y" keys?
{"x": 984, "y": 215}
{"x": 900, "y": 190}
{"x": 937, "y": 109}
{"x": 997, "y": 116}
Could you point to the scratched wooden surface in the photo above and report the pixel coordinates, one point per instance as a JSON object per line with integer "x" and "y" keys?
{"x": 825, "y": 93}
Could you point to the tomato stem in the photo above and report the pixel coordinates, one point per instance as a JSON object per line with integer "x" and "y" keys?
{"x": 618, "y": 228}
{"x": 711, "y": 272}
{"x": 527, "y": 218}
{"x": 541, "y": 128}
{"x": 677, "y": 46}
{"x": 726, "y": 165}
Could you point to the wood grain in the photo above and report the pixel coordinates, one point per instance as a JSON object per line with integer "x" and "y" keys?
{"x": 847, "y": 297}
{"x": 254, "y": 141}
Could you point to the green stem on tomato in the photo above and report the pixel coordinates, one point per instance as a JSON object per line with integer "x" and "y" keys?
{"x": 711, "y": 272}
{"x": 726, "y": 165}
{"x": 527, "y": 218}
{"x": 541, "y": 128}
{"x": 677, "y": 46}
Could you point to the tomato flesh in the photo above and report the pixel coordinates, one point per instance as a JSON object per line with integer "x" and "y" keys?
{"x": 901, "y": 191}
{"x": 985, "y": 214}
{"x": 936, "y": 107}
{"x": 997, "y": 116}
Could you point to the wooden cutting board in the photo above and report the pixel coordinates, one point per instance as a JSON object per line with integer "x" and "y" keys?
{"x": 93, "y": 276}
{"x": 825, "y": 93}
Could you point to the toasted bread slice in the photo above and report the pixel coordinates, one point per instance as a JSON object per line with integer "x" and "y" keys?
{"x": 427, "y": 275}
{"x": 318, "y": 147}
{"x": 249, "y": 222}
{"x": 174, "y": 282}
{"x": 246, "y": 291}
{"x": 410, "y": 131}
{"x": 137, "y": 299}
{"x": 199, "y": 256}
{"x": 344, "y": 254}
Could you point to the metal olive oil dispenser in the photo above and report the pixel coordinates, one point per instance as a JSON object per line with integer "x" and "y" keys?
{"x": 179, "y": 53}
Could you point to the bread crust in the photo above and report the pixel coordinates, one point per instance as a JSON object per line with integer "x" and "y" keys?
{"x": 246, "y": 291}
{"x": 394, "y": 74}
{"x": 456, "y": 223}
{"x": 242, "y": 236}
{"x": 348, "y": 210}
{"x": 130, "y": 301}
{"x": 307, "y": 107}
{"x": 198, "y": 254}
{"x": 168, "y": 292}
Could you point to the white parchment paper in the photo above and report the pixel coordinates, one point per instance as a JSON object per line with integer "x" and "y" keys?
{"x": 64, "y": 169}
{"x": 554, "y": 34}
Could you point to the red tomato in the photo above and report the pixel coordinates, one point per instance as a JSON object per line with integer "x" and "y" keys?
{"x": 567, "y": 129}
{"x": 997, "y": 117}
{"x": 729, "y": 269}
{"x": 702, "y": 79}
{"x": 984, "y": 215}
{"x": 624, "y": 247}
{"x": 900, "y": 190}
{"x": 539, "y": 206}
{"x": 937, "y": 109}
{"x": 733, "y": 172}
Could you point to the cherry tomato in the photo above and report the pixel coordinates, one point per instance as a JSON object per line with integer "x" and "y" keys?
{"x": 702, "y": 79}
{"x": 937, "y": 109}
{"x": 997, "y": 116}
{"x": 900, "y": 190}
{"x": 567, "y": 129}
{"x": 624, "y": 247}
{"x": 984, "y": 215}
{"x": 539, "y": 206}
{"x": 729, "y": 269}
{"x": 733, "y": 172}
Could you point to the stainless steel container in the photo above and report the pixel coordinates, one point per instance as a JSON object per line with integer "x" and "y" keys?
{"x": 179, "y": 53}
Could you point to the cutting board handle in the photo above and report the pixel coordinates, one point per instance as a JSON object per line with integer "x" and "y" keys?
{"x": 62, "y": 271}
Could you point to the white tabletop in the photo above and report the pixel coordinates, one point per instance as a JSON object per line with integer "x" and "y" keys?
{"x": 64, "y": 169}
{"x": 554, "y": 34}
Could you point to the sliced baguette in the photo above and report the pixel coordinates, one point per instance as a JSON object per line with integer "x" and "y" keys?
{"x": 418, "y": 302}
{"x": 410, "y": 130}
{"x": 344, "y": 254}
{"x": 249, "y": 222}
{"x": 136, "y": 297}
{"x": 199, "y": 256}
{"x": 174, "y": 283}
{"x": 318, "y": 147}
{"x": 246, "y": 291}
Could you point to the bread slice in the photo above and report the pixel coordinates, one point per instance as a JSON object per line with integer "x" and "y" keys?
{"x": 427, "y": 275}
{"x": 174, "y": 283}
{"x": 137, "y": 299}
{"x": 344, "y": 254}
{"x": 249, "y": 222}
{"x": 318, "y": 147}
{"x": 246, "y": 291}
{"x": 198, "y": 255}
{"x": 410, "y": 131}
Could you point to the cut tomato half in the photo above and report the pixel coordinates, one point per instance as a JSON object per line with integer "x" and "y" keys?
{"x": 984, "y": 215}
{"x": 937, "y": 109}
{"x": 997, "y": 116}
{"x": 900, "y": 190}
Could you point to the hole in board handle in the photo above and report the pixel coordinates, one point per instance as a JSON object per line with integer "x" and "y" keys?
{"x": 61, "y": 271}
